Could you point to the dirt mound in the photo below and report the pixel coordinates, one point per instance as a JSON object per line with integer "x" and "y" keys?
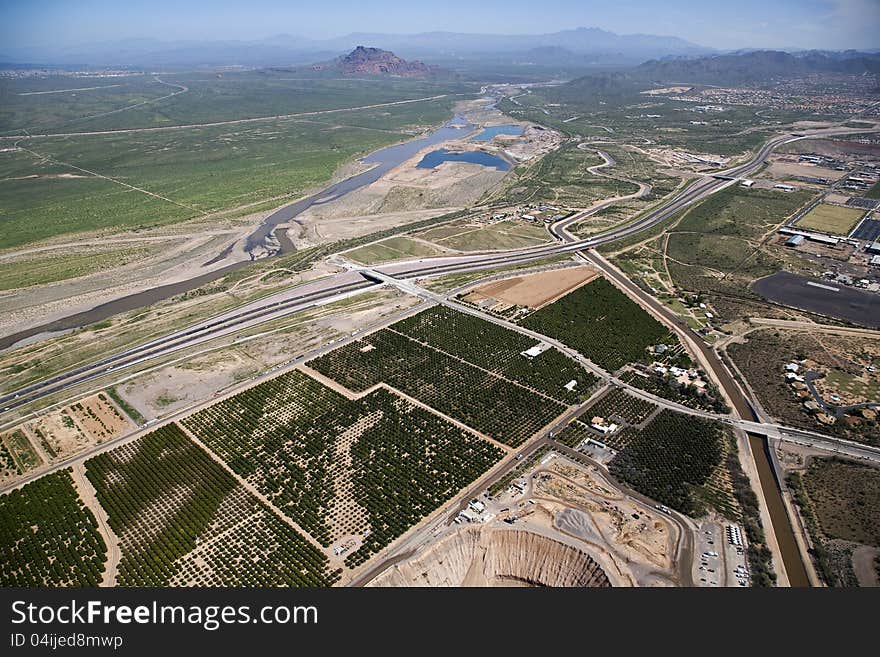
{"x": 497, "y": 557}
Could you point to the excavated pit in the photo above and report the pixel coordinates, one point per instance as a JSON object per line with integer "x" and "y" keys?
{"x": 477, "y": 556}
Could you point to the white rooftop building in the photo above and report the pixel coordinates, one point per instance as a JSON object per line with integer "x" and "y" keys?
{"x": 537, "y": 350}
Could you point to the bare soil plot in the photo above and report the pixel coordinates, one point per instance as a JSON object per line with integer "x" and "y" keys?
{"x": 782, "y": 170}
{"x": 622, "y": 523}
{"x": 68, "y": 430}
{"x": 831, "y": 219}
{"x": 666, "y": 90}
{"x": 536, "y": 290}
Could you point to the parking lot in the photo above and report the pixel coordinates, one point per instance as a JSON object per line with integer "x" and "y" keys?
{"x": 717, "y": 561}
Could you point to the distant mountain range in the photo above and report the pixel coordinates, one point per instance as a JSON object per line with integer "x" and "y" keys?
{"x": 757, "y": 66}
{"x": 584, "y": 44}
{"x": 761, "y": 67}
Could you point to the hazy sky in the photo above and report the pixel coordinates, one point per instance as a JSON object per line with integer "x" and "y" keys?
{"x": 832, "y": 24}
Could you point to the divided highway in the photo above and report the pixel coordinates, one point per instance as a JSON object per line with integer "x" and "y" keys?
{"x": 308, "y": 295}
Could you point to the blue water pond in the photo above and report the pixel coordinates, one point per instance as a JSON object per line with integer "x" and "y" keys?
{"x": 492, "y": 131}
{"x": 435, "y": 158}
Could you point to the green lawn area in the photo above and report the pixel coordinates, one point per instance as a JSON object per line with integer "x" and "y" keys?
{"x": 831, "y": 219}
{"x": 874, "y": 192}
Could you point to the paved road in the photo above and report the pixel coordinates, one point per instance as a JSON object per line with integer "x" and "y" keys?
{"x": 298, "y": 298}
{"x": 293, "y": 363}
{"x": 746, "y": 417}
{"x": 748, "y": 420}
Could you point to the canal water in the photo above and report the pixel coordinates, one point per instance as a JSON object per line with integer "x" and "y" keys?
{"x": 788, "y": 547}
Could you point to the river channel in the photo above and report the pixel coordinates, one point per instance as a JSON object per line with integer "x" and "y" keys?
{"x": 382, "y": 161}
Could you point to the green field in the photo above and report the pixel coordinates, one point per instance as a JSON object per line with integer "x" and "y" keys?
{"x": 25, "y": 103}
{"x": 874, "y": 192}
{"x": 502, "y": 409}
{"x": 576, "y": 432}
{"x": 53, "y": 186}
{"x": 831, "y": 219}
{"x": 740, "y": 212}
{"x": 462, "y": 236}
{"x": 616, "y": 403}
{"x": 20, "y": 449}
{"x": 465, "y": 367}
{"x": 608, "y": 106}
{"x": 338, "y": 467}
{"x": 182, "y": 519}
{"x": 394, "y": 248}
{"x": 48, "y": 538}
{"x": 602, "y": 323}
{"x": 499, "y": 350}
{"x": 199, "y": 171}
{"x": 717, "y": 247}
{"x": 210, "y": 98}
{"x": 846, "y": 499}
{"x": 561, "y": 178}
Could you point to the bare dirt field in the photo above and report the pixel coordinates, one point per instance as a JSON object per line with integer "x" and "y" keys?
{"x": 68, "y": 430}
{"x": 535, "y": 290}
{"x": 863, "y": 560}
{"x": 567, "y": 525}
{"x": 666, "y": 90}
{"x": 784, "y": 169}
{"x": 834, "y": 148}
{"x": 403, "y": 195}
{"x": 336, "y": 224}
{"x": 640, "y": 535}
